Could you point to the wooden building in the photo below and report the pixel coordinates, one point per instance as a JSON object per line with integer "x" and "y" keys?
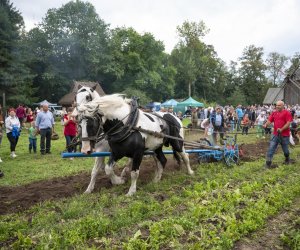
{"x": 68, "y": 99}
{"x": 289, "y": 91}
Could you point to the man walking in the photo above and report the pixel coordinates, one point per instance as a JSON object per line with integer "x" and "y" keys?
{"x": 218, "y": 122}
{"x": 44, "y": 123}
{"x": 281, "y": 134}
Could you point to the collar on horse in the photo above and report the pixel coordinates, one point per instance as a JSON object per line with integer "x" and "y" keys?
{"x": 122, "y": 133}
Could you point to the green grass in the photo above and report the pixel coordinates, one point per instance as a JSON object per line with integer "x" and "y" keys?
{"x": 26, "y": 168}
{"x": 210, "y": 210}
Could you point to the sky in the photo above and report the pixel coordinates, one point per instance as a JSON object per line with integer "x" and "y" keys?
{"x": 233, "y": 24}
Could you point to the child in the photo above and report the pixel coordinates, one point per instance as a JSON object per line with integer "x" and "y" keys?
{"x": 32, "y": 138}
{"x": 245, "y": 123}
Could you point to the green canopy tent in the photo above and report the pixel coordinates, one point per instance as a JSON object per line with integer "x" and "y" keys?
{"x": 190, "y": 102}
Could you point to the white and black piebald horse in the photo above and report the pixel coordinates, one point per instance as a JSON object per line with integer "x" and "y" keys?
{"x": 85, "y": 95}
{"x": 119, "y": 119}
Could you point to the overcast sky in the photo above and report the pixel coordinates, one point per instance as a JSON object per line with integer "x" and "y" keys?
{"x": 233, "y": 24}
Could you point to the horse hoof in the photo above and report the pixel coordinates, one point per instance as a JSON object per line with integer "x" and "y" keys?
{"x": 87, "y": 191}
{"x": 191, "y": 173}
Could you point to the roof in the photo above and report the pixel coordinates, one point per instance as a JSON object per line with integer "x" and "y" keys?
{"x": 169, "y": 103}
{"x": 68, "y": 99}
{"x": 273, "y": 95}
{"x": 45, "y": 102}
{"x": 190, "y": 102}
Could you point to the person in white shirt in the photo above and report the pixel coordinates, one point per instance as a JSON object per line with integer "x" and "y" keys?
{"x": 260, "y": 120}
{"x": 12, "y": 125}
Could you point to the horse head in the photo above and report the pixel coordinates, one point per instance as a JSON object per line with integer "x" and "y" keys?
{"x": 90, "y": 126}
{"x": 86, "y": 94}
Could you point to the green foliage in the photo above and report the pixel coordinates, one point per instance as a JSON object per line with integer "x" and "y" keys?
{"x": 291, "y": 236}
{"x": 253, "y": 81}
{"x": 14, "y": 75}
{"x": 276, "y": 66}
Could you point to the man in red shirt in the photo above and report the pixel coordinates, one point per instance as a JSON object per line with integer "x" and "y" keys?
{"x": 281, "y": 134}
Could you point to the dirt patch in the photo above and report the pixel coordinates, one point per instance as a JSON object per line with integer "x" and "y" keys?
{"x": 252, "y": 152}
{"x": 15, "y": 199}
{"x": 269, "y": 236}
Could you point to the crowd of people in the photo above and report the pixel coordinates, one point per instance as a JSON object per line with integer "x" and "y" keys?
{"x": 214, "y": 121}
{"x": 38, "y": 122}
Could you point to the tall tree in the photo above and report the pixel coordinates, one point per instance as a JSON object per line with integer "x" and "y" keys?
{"x": 73, "y": 41}
{"x": 139, "y": 62}
{"x": 199, "y": 71}
{"x": 184, "y": 55}
{"x": 276, "y": 65}
{"x": 14, "y": 75}
{"x": 295, "y": 63}
{"x": 252, "y": 74}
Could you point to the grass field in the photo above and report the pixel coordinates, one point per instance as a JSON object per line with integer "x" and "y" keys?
{"x": 214, "y": 209}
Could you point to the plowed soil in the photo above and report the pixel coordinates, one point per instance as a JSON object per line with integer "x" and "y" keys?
{"x": 16, "y": 199}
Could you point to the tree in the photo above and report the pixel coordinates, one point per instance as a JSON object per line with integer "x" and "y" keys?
{"x": 295, "y": 63}
{"x": 276, "y": 66}
{"x": 252, "y": 74}
{"x": 199, "y": 71}
{"x": 14, "y": 75}
{"x": 184, "y": 55}
{"x": 139, "y": 62}
{"x": 71, "y": 43}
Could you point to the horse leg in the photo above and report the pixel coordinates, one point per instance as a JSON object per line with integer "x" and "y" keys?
{"x": 109, "y": 170}
{"x": 126, "y": 169}
{"x": 136, "y": 162}
{"x": 161, "y": 161}
{"x": 186, "y": 160}
{"x": 99, "y": 164}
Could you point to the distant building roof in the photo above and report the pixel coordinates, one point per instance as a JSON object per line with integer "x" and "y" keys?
{"x": 273, "y": 95}
{"x": 68, "y": 99}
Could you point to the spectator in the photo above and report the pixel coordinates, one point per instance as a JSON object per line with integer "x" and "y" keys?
{"x": 45, "y": 123}
{"x": 245, "y": 124}
{"x": 21, "y": 114}
{"x": 240, "y": 115}
{"x": 260, "y": 120}
{"x": 171, "y": 111}
{"x": 32, "y": 138}
{"x": 179, "y": 115}
{"x": 194, "y": 118}
{"x": 69, "y": 130}
{"x": 12, "y": 125}
{"x": 218, "y": 123}
{"x": 231, "y": 118}
{"x": 281, "y": 134}
{"x": 29, "y": 116}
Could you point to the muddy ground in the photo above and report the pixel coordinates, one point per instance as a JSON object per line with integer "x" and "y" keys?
{"x": 16, "y": 199}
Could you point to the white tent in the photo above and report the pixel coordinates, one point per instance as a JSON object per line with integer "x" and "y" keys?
{"x": 45, "y": 102}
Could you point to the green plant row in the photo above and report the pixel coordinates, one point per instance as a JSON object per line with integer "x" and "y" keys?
{"x": 99, "y": 218}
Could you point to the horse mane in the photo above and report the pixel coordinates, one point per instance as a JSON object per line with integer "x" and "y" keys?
{"x": 112, "y": 101}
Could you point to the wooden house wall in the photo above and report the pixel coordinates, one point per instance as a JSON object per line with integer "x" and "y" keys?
{"x": 292, "y": 93}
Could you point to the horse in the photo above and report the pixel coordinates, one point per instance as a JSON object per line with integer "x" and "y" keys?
{"x": 83, "y": 96}
{"x": 130, "y": 132}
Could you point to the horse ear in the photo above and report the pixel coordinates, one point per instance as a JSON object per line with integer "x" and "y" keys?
{"x": 79, "y": 86}
{"x": 94, "y": 87}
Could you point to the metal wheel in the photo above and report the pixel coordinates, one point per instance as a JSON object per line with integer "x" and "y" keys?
{"x": 231, "y": 152}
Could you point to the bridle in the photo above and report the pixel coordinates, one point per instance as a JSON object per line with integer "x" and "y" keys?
{"x": 99, "y": 134}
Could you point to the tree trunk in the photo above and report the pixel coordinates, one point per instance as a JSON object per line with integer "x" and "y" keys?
{"x": 190, "y": 89}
